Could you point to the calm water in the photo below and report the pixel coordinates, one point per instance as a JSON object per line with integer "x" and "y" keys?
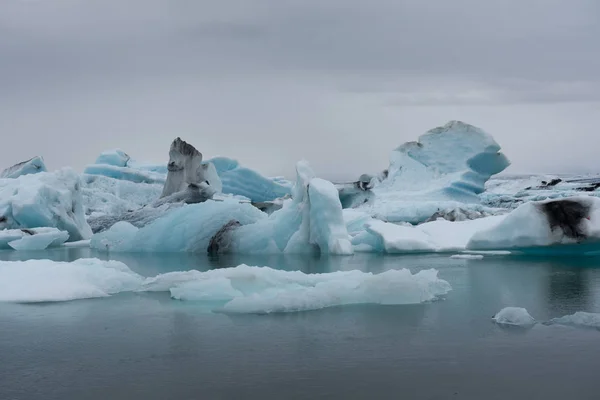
{"x": 148, "y": 346}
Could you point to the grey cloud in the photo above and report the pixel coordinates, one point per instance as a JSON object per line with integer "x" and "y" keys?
{"x": 271, "y": 81}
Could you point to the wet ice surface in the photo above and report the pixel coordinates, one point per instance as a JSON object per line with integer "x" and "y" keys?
{"x": 150, "y": 346}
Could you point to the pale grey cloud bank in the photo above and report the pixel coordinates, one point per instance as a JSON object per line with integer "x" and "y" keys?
{"x": 339, "y": 83}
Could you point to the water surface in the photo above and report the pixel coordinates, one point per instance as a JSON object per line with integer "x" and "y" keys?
{"x": 149, "y": 346}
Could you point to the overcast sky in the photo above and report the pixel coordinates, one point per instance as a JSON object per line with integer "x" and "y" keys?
{"x": 337, "y": 82}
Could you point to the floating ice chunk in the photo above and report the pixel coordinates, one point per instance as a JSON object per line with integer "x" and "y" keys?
{"x": 78, "y": 244}
{"x": 116, "y": 157}
{"x": 242, "y": 181}
{"x": 31, "y": 166}
{"x": 538, "y": 224}
{"x": 448, "y": 166}
{"x": 41, "y": 239}
{"x": 488, "y": 252}
{"x": 400, "y": 239}
{"x": 579, "y": 319}
{"x": 467, "y": 256}
{"x": 514, "y": 316}
{"x": 44, "y": 200}
{"x": 245, "y": 289}
{"x": 32, "y": 239}
{"x": 36, "y": 281}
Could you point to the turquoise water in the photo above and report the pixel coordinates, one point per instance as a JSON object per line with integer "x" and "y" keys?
{"x": 149, "y": 346}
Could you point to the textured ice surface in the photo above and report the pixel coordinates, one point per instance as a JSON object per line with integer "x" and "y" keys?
{"x": 242, "y": 289}
{"x": 108, "y": 196}
{"x": 116, "y": 157}
{"x": 31, "y": 239}
{"x": 579, "y": 319}
{"x": 44, "y": 200}
{"x": 514, "y": 316}
{"x": 125, "y": 173}
{"x": 529, "y": 226}
{"x": 448, "y": 166}
{"x": 245, "y": 289}
{"x": 242, "y": 181}
{"x": 36, "y": 281}
{"x": 511, "y": 191}
{"x": 435, "y": 236}
{"x": 186, "y": 229}
{"x": 40, "y": 240}
{"x": 400, "y": 239}
{"x": 32, "y": 166}
{"x": 117, "y": 164}
{"x": 312, "y": 220}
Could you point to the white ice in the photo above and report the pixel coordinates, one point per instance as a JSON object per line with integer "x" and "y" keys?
{"x": 46, "y": 199}
{"x": 579, "y": 319}
{"x": 36, "y": 281}
{"x": 245, "y": 289}
{"x": 32, "y": 239}
{"x": 527, "y": 226}
{"x": 467, "y": 256}
{"x": 242, "y": 289}
{"x": 514, "y": 316}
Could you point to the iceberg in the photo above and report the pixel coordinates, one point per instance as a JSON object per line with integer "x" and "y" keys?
{"x": 242, "y": 289}
{"x": 35, "y": 281}
{"x": 514, "y": 316}
{"x": 45, "y": 199}
{"x": 571, "y": 221}
{"x": 31, "y": 166}
{"x": 372, "y": 235}
{"x": 579, "y": 319}
{"x": 32, "y": 239}
{"x": 117, "y": 164}
{"x": 312, "y": 219}
{"x": 242, "y": 181}
{"x": 262, "y": 290}
{"x": 188, "y": 228}
{"x": 445, "y": 169}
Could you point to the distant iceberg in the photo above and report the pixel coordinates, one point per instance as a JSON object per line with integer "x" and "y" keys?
{"x": 32, "y": 166}
{"x": 45, "y": 199}
{"x": 242, "y": 181}
{"x": 117, "y": 164}
{"x": 445, "y": 169}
